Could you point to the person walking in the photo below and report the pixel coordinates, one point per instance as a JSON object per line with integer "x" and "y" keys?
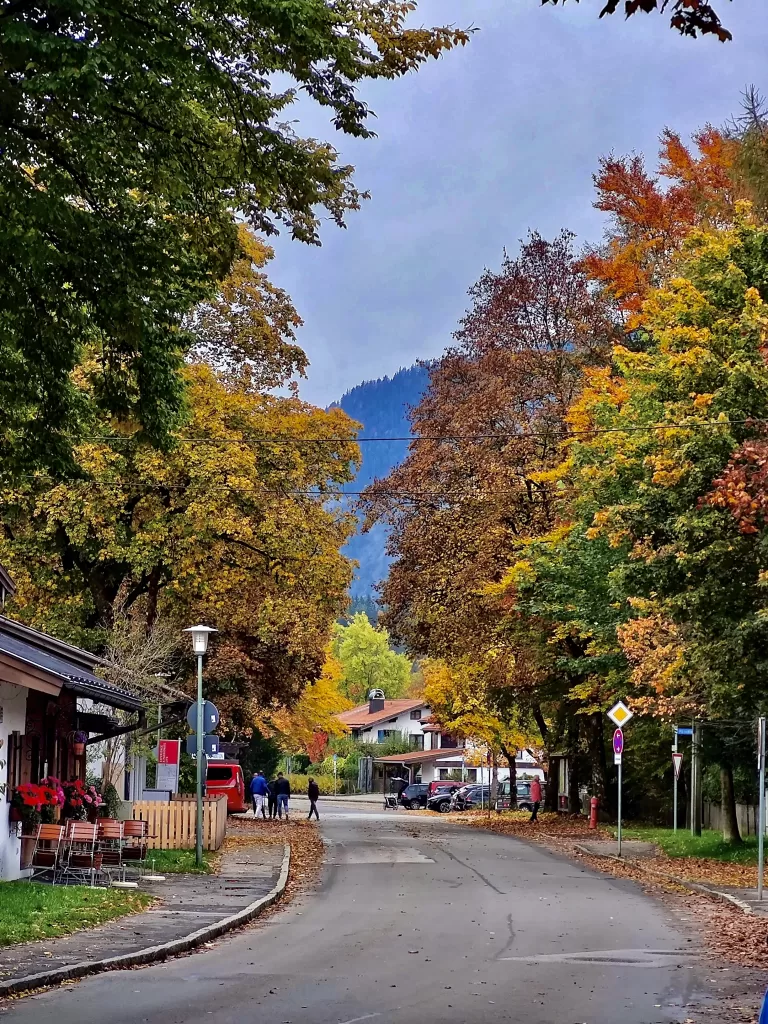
{"x": 259, "y": 790}
{"x": 282, "y": 791}
{"x": 535, "y": 799}
{"x": 313, "y": 792}
{"x": 272, "y": 798}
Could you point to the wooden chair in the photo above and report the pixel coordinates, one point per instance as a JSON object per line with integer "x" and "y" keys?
{"x": 109, "y": 835}
{"x": 47, "y": 852}
{"x": 81, "y": 856}
{"x": 135, "y": 843}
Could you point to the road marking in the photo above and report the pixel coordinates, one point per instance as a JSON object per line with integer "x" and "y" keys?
{"x": 354, "y": 1020}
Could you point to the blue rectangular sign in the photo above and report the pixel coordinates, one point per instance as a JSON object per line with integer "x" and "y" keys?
{"x": 684, "y": 730}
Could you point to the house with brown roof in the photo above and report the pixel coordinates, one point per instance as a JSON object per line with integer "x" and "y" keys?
{"x": 380, "y": 718}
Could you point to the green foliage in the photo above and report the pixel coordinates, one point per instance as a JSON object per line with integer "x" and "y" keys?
{"x": 299, "y": 784}
{"x": 129, "y": 144}
{"x": 175, "y": 862}
{"x": 367, "y": 660}
{"x": 262, "y": 754}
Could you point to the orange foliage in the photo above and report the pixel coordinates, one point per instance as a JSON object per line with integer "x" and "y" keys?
{"x": 650, "y": 219}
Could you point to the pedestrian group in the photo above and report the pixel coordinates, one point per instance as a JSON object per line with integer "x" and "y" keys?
{"x": 270, "y": 799}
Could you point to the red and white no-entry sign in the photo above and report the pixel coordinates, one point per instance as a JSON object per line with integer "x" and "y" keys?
{"x": 677, "y": 763}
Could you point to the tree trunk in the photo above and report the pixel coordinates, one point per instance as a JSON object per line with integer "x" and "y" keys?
{"x": 598, "y": 764}
{"x": 510, "y": 756}
{"x": 730, "y": 823}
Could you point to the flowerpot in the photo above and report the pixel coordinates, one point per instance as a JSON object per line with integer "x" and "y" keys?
{"x": 14, "y": 814}
{"x": 78, "y": 749}
{"x": 27, "y": 851}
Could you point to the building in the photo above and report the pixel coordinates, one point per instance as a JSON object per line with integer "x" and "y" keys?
{"x": 47, "y": 691}
{"x": 380, "y": 719}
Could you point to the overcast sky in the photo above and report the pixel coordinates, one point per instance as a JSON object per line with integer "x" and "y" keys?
{"x": 474, "y": 149}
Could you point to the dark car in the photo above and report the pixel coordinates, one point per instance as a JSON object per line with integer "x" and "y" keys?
{"x": 414, "y": 796}
{"x": 442, "y": 794}
{"x": 524, "y": 802}
{"x": 470, "y": 797}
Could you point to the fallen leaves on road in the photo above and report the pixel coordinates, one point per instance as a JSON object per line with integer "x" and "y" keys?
{"x": 303, "y": 837}
{"x": 518, "y": 823}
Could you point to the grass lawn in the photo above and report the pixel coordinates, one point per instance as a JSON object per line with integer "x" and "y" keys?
{"x": 709, "y": 844}
{"x": 174, "y": 862}
{"x": 29, "y": 910}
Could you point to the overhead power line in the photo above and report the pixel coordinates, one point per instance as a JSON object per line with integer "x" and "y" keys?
{"x": 418, "y": 438}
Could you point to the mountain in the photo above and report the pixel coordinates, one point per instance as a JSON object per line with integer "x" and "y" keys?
{"x": 381, "y": 406}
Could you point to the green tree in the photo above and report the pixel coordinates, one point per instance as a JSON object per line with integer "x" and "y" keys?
{"x": 132, "y": 138}
{"x": 367, "y": 660}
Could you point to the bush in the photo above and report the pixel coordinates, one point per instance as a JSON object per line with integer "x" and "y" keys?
{"x": 299, "y": 784}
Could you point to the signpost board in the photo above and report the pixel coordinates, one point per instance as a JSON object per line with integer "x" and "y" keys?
{"x": 677, "y": 763}
{"x": 620, "y": 714}
{"x": 618, "y": 746}
{"x": 210, "y": 717}
{"x": 168, "y": 758}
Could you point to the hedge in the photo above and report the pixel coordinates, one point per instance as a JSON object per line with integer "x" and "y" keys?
{"x": 299, "y": 784}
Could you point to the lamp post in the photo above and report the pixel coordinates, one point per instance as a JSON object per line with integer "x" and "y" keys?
{"x": 200, "y": 636}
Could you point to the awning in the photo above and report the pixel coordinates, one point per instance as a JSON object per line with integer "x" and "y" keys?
{"x": 52, "y": 661}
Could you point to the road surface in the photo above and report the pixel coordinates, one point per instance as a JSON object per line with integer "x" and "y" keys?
{"x": 418, "y": 920}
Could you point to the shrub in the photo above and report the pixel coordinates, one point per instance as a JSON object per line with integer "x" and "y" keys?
{"x": 299, "y": 784}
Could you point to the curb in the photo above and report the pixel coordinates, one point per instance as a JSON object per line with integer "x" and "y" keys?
{"x": 153, "y": 954}
{"x": 705, "y": 890}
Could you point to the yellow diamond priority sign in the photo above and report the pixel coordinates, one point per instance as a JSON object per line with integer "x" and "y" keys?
{"x": 620, "y": 714}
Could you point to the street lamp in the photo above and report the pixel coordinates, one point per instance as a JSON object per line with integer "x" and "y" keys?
{"x": 200, "y": 636}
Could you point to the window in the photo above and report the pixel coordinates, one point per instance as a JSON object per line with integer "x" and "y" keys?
{"x": 416, "y": 742}
{"x": 416, "y": 715}
{"x": 448, "y": 741}
{"x": 384, "y": 734}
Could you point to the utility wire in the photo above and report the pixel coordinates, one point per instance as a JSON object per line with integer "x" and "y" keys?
{"x": 519, "y": 436}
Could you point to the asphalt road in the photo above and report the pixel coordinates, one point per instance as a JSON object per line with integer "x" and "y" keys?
{"x": 417, "y": 920}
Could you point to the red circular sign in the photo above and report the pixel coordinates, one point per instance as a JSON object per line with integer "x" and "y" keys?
{"x": 618, "y": 742}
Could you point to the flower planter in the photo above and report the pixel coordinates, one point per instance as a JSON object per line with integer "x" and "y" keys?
{"x": 78, "y": 749}
{"x": 27, "y": 851}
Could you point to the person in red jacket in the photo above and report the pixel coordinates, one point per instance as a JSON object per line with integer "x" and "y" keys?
{"x": 535, "y": 799}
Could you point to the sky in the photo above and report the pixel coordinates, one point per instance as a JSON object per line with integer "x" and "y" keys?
{"x": 475, "y": 149}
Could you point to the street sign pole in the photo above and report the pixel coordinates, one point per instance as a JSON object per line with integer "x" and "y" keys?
{"x": 761, "y": 816}
{"x": 674, "y": 772}
{"x": 199, "y": 765}
{"x": 619, "y": 832}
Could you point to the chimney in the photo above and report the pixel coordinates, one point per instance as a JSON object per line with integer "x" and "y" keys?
{"x": 375, "y": 701}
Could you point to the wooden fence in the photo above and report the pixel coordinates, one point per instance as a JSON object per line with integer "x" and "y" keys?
{"x": 746, "y": 815}
{"x": 172, "y": 825}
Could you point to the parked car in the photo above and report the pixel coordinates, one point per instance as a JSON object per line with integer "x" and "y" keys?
{"x": 470, "y": 797}
{"x": 226, "y": 778}
{"x": 524, "y": 802}
{"x": 441, "y": 794}
{"x": 414, "y": 796}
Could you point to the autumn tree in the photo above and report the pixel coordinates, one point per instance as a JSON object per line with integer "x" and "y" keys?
{"x": 651, "y": 214}
{"x": 367, "y": 661}
{"x": 464, "y": 701}
{"x": 689, "y": 17}
{"x": 131, "y": 143}
{"x": 313, "y": 717}
{"x": 488, "y": 432}
{"x": 236, "y": 525}
{"x": 664, "y": 479}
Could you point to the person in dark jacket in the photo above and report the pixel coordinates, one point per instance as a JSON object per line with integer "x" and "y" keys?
{"x": 282, "y": 791}
{"x": 313, "y": 792}
{"x": 272, "y": 798}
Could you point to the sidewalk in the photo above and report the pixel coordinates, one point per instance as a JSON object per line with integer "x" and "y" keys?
{"x": 644, "y": 856}
{"x": 185, "y": 905}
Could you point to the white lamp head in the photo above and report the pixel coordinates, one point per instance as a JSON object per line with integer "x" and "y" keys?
{"x": 200, "y": 637}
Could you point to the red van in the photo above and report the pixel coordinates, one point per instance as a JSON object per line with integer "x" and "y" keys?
{"x": 226, "y": 777}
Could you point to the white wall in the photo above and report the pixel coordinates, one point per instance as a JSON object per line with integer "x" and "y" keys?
{"x": 402, "y": 723}
{"x": 13, "y": 702}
